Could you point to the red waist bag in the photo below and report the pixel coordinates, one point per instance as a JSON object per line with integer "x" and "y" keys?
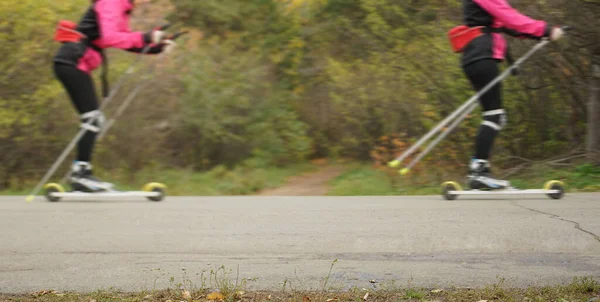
{"x": 66, "y": 32}
{"x": 462, "y": 35}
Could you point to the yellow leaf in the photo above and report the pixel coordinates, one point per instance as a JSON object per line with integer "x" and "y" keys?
{"x": 215, "y": 296}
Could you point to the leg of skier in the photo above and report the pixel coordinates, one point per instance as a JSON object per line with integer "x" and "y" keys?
{"x": 80, "y": 88}
{"x": 480, "y": 73}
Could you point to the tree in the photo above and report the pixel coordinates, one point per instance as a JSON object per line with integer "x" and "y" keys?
{"x": 584, "y": 16}
{"x": 594, "y": 107}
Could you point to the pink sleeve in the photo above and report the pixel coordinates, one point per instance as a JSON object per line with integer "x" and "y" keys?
{"x": 511, "y": 18}
{"x": 109, "y": 14}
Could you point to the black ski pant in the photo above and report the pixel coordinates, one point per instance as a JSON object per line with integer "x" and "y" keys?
{"x": 480, "y": 74}
{"x": 82, "y": 92}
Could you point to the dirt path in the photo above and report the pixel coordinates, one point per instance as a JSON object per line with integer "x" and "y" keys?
{"x": 310, "y": 184}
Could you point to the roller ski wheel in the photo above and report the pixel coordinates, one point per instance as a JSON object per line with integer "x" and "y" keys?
{"x": 554, "y": 189}
{"x": 555, "y": 185}
{"x": 50, "y": 191}
{"x": 157, "y": 188}
{"x": 448, "y": 189}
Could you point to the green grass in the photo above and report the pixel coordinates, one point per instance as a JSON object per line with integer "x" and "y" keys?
{"x": 358, "y": 179}
{"x": 363, "y": 179}
{"x": 582, "y": 178}
{"x": 242, "y": 180}
{"x": 220, "y": 181}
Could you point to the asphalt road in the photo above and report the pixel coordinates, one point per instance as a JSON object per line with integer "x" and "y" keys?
{"x": 135, "y": 244}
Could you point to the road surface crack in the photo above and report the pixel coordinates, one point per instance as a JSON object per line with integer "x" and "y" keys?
{"x": 554, "y": 216}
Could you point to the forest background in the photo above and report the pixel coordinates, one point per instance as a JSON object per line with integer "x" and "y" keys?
{"x": 260, "y": 90}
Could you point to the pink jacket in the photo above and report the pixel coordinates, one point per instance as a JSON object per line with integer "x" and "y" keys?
{"x": 114, "y": 31}
{"x": 504, "y": 16}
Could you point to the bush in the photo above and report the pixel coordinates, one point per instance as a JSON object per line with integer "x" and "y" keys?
{"x": 230, "y": 112}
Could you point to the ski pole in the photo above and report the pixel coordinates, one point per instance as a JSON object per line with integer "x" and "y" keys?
{"x": 81, "y": 132}
{"x": 396, "y": 163}
{"x": 122, "y": 108}
{"x": 442, "y": 135}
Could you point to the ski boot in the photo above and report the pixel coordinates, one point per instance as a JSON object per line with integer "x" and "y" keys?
{"x": 480, "y": 177}
{"x": 83, "y": 180}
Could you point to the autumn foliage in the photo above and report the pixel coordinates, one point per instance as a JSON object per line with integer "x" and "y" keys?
{"x": 281, "y": 82}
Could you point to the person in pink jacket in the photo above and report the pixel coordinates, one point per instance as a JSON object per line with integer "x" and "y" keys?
{"x": 104, "y": 25}
{"x": 480, "y": 59}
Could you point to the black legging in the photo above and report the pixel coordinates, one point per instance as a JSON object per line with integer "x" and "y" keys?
{"x": 82, "y": 92}
{"x": 480, "y": 73}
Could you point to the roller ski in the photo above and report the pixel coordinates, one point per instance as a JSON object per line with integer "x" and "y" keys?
{"x": 85, "y": 185}
{"x": 553, "y": 189}
{"x": 152, "y": 191}
{"x": 481, "y": 182}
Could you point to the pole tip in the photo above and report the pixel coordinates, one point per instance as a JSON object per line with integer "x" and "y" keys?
{"x": 394, "y": 164}
{"x": 30, "y": 198}
{"x": 404, "y": 171}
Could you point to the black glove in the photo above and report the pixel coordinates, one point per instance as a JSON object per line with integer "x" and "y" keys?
{"x": 154, "y": 36}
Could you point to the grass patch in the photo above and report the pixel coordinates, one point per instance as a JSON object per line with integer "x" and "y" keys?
{"x": 582, "y": 178}
{"x": 363, "y": 179}
{"x": 242, "y": 180}
{"x": 245, "y": 179}
{"x": 580, "y": 289}
{"x": 358, "y": 179}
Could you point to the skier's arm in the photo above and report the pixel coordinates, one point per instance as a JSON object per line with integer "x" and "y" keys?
{"x": 108, "y": 16}
{"x": 513, "y": 20}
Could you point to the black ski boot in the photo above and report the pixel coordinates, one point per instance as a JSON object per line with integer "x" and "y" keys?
{"x": 480, "y": 177}
{"x": 83, "y": 180}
